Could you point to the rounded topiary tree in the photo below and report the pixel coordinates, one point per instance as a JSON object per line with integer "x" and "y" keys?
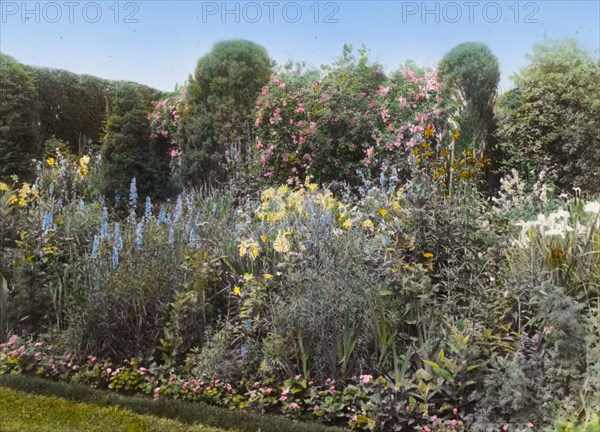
{"x": 221, "y": 96}
{"x": 472, "y": 70}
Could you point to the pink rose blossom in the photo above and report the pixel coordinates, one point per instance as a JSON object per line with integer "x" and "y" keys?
{"x": 294, "y": 406}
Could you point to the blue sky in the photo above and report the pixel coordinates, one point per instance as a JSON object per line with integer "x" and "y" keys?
{"x": 158, "y": 43}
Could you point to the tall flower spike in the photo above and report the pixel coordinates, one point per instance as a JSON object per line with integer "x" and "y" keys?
{"x": 133, "y": 195}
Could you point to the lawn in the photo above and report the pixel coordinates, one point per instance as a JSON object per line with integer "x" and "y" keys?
{"x": 21, "y": 412}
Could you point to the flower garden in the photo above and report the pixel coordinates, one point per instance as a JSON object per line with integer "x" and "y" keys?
{"x": 368, "y": 257}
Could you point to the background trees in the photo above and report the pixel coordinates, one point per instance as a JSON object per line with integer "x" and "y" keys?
{"x": 552, "y": 116}
{"x": 19, "y": 131}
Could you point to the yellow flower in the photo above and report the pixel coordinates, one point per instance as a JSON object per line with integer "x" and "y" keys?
{"x": 383, "y": 212}
{"x": 396, "y": 206}
{"x": 248, "y": 277}
{"x": 50, "y": 161}
{"x": 347, "y": 224}
{"x": 444, "y": 153}
{"x": 83, "y": 165}
{"x": 281, "y": 243}
{"x": 254, "y": 250}
{"x": 428, "y": 255}
{"x": 368, "y": 224}
{"x": 50, "y": 250}
{"x": 455, "y": 134}
{"x": 243, "y": 248}
{"x": 250, "y": 248}
{"x": 312, "y": 187}
{"x": 268, "y": 276}
{"x": 236, "y": 290}
{"x": 264, "y": 238}
{"x": 3, "y": 187}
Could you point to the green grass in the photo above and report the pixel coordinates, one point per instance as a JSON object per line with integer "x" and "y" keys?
{"x": 21, "y": 412}
{"x": 185, "y": 413}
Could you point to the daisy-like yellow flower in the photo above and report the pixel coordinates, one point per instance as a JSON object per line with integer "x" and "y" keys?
{"x": 268, "y": 276}
{"x": 368, "y": 224}
{"x": 428, "y": 255}
{"x": 248, "y": 277}
{"x": 3, "y": 187}
{"x": 264, "y": 238}
{"x": 236, "y": 290}
{"x": 455, "y": 134}
{"x": 50, "y": 161}
{"x": 383, "y": 212}
{"x": 347, "y": 224}
{"x": 250, "y": 248}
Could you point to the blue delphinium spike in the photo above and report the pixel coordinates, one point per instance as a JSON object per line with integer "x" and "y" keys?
{"x": 95, "y": 248}
{"x": 133, "y": 195}
{"x": 139, "y": 236}
{"x": 148, "y": 210}
{"x": 47, "y": 221}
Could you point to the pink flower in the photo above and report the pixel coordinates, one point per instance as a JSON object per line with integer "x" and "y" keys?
{"x": 268, "y": 174}
{"x": 354, "y": 418}
{"x": 382, "y": 91}
{"x": 256, "y": 384}
{"x": 361, "y": 94}
{"x": 282, "y": 398}
{"x": 268, "y": 390}
{"x": 13, "y": 340}
{"x": 455, "y": 411}
{"x": 185, "y": 384}
{"x": 366, "y": 379}
{"x": 453, "y": 422}
{"x": 302, "y": 140}
{"x": 285, "y": 391}
{"x": 529, "y": 425}
{"x": 316, "y": 408}
{"x": 281, "y": 86}
{"x": 390, "y": 128}
{"x": 294, "y": 406}
{"x": 505, "y": 426}
{"x": 39, "y": 344}
{"x": 229, "y": 387}
{"x": 332, "y": 388}
{"x": 426, "y": 428}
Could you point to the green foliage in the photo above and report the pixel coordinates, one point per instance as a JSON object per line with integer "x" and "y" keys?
{"x": 126, "y": 146}
{"x": 19, "y": 117}
{"x": 550, "y": 118}
{"x": 221, "y": 95}
{"x": 472, "y": 70}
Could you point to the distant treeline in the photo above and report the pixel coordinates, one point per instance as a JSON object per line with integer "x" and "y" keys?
{"x": 43, "y": 103}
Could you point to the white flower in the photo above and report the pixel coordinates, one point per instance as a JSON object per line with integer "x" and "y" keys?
{"x": 592, "y": 207}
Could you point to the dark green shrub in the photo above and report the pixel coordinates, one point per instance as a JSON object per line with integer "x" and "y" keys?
{"x": 19, "y": 130}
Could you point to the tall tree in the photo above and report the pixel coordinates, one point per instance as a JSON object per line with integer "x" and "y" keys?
{"x": 126, "y": 149}
{"x": 221, "y": 95}
{"x": 472, "y": 70}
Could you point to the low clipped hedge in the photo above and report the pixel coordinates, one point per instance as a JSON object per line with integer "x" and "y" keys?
{"x": 185, "y": 412}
